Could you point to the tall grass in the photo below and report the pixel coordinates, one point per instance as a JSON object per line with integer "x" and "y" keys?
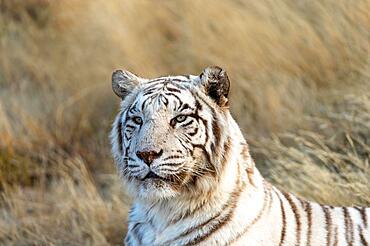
{"x": 300, "y": 81}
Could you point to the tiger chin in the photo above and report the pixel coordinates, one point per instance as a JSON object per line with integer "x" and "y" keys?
{"x": 183, "y": 159}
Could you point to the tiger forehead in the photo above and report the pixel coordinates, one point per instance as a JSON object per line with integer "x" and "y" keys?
{"x": 179, "y": 82}
{"x": 171, "y": 79}
{"x": 166, "y": 93}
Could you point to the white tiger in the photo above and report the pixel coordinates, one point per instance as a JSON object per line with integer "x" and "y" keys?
{"x": 187, "y": 166}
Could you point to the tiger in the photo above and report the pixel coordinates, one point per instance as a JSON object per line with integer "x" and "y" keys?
{"x": 187, "y": 167}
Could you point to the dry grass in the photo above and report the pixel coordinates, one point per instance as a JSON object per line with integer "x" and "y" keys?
{"x": 300, "y": 74}
{"x": 327, "y": 162}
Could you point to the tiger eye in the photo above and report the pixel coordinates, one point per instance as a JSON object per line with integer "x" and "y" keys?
{"x": 137, "y": 120}
{"x": 180, "y": 118}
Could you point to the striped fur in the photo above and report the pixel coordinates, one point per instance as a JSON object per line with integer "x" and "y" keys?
{"x": 203, "y": 188}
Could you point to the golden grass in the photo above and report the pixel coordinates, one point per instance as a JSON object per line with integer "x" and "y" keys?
{"x": 329, "y": 161}
{"x": 70, "y": 211}
{"x": 300, "y": 74}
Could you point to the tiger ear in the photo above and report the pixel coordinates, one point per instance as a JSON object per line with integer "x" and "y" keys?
{"x": 216, "y": 84}
{"x": 123, "y": 82}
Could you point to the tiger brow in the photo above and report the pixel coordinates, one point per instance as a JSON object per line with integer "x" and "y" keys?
{"x": 185, "y": 106}
{"x": 133, "y": 108}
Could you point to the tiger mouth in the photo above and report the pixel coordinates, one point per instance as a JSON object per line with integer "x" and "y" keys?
{"x": 153, "y": 176}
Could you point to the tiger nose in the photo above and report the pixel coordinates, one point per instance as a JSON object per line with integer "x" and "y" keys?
{"x": 149, "y": 156}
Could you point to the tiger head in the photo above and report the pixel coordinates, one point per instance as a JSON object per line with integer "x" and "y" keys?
{"x": 173, "y": 134}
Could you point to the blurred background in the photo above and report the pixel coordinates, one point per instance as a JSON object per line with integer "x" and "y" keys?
{"x": 300, "y": 74}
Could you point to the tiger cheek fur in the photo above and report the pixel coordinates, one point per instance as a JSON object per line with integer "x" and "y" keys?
{"x": 186, "y": 164}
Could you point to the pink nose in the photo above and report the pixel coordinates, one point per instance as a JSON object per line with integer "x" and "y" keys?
{"x": 149, "y": 156}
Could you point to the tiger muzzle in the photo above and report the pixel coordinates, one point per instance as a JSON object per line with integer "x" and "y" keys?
{"x": 149, "y": 156}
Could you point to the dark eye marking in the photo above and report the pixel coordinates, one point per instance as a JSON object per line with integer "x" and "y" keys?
{"x": 130, "y": 126}
{"x": 188, "y": 124}
{"x": 137, "y": 120}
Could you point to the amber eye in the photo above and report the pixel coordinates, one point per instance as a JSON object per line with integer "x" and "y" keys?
{"x": 137, "y": 120}
{"x": 180, "y": 118}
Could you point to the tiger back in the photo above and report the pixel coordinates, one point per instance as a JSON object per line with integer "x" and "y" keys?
{"x": 187, "y": 166}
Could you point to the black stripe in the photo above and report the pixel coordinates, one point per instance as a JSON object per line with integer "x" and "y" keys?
{"x": 283, "y": 220}
{"x": 194, "y": 132}
{"x": 128, "y": 240}
{"x": 216, "y": 128}
{"x": 335, "y": 243}
{"x": 362, "y": 212}
{"x": 220, "y": 221}
{"x": 308, "y": 209}
{"x": 130, "y": 126}
{"x": 182, "y": 144}
{"x": 133, "y": 108}
{"x": 171, "y": 157}
{"x": 179, "y": 80}
{"x": 173, "y": 89}
{"x": 178, "y": 99}
{"x": 169, "y": 164}
{"x": 174, "y": 95}
{"x": 208, "y": 157}
{"x": 136, "y": 232}
{"x": 205, "y": 123}
{"x": 348, "y": 226}
{"x": 296, "y": 216}
{"x": 153, "y": 86}
{"x": 164, "y": 99}
{"x": 149, "y": 92}
{"x": 188, "y": 124}
{"x": 143, "y": 104}
{"x": 162, "y": 79}
{"x": 362, "y": 237}
{"x": 328, "y": 223}
{"x": 228, "y": 205}
{"x": 147, "y": 101}
{"x": 198, "y": 106}
{"x": 185, "y": 106}
{"x": 119, "y": 133}
{"x": 133, "y": 165}
{"x": 226, "y": 153}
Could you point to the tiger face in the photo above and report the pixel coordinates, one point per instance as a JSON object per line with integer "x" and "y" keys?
{"x": 166, "y": 136}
